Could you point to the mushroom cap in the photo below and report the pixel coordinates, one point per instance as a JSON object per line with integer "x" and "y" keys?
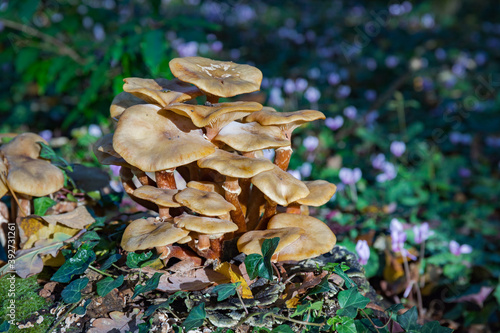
{"x": 287, "y": 121}
{"x": 206, "y": 186}
{"x": 34, "y": 177}
{"x": 280, "y": 186}
{"x": 234, "y": 165}
{"x": 251, "y": 136}
{"x": 204, "y": 203}
{"x": 147, "y": 233}
{"x": 160, "y": 91}
{"x": 205, "y": 225}
{"x": 251, "y": 242}
{"x": 218, "y": 78}
{"x": 23, "y": 145}
{"x": 3, "y": 177}
{"x": 155, "y": 140}
{"x": 215, "y": 115}
{"x": 320, "y": 192}
{"x": 106, "y": 154}
{"x": 159, "y": 196}
{"x": 123, "y": 101}
{"x": 317, "y": 239}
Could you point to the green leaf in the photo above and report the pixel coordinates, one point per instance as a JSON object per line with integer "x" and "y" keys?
{"x": 340, "y": 272}
{"x": 153, "y": 49}
{"x": 42, "y": 204}
{"x": 166, "y": 304}
{"x": 302, "y": 308}
{"x": 81, "y": 310}
{"x": 224, "y": 291}
{"x": 282, "y": 329}
{"x": 252, "y": 262}
{"x": 140, "y": 260}
{"x": 268, "y": 247}
{"x": 345, "y": 325}
{"x": 145, "y": 327}
{"x": 76, "y": 265}
{"x": 408, "y": 320}
{"x": 260, "y": 265}
{"x": 434, "y": 327}
{"x": 350, "y": 301}
{"x": 72, "y": 294}
{"x": 150, "y": 285}
{"x": 49, "y": 154}
{"x": 107, "y": 284}
{"x": 195, "y": 318}
{"x": 4, "y": 326}
{"x": 111, "y": 260}
{"x": 395, "y": 308}
{"x": 321, "y": 287}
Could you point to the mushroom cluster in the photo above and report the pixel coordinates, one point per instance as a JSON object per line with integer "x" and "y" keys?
{"x": 201, "y": 166}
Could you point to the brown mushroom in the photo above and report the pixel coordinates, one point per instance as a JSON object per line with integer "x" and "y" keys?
{"x": 164, "y": 198}
{"x": 320, "y": 192}
{"x": 204, "y": 203}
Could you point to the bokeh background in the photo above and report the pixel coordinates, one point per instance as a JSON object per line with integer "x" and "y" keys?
{"x": 409, "y": 88}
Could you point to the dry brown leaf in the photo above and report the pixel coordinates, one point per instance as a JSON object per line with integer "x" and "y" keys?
{"x": 195, "y": 280}
{"x": 34, "y": 228}
{"x": 118, "y": 322}
{"x": 77, "y": 219}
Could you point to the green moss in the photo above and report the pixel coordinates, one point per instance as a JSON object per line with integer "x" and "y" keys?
{"x": 27, "y": 302}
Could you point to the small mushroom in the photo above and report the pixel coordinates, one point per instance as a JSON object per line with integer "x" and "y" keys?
{"x": 316, "y": 240}
{"x": 217, "y": 78}
{"x": 204, "y": 203}
{"x": 164, "y": 198}
{"x": 121, "y": 102}
{"x": 214, "y": 117}
{"x": 320, "y": 192}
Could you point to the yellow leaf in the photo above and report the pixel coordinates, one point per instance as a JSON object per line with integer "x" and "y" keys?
{"x": 292, "y": 302}
{"x": 229, "y": 270}
{"x": 34, "y": 229}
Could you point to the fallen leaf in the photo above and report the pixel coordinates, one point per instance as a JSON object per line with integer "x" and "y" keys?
{"x": 198, "y": 279}
{"x": 77, "y": 219}
{"x": 34, "y": 228}
{"x": 118, "y": 322}
{"x": 231, "y": 271}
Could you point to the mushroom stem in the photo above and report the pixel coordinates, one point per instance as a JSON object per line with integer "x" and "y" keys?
{"x": 245, "y": 193}
{"x": 24, "y": 208}
{"x": 212, "y": 132}
{"x": 143, "y": 178}
{"x": 269, "y": 212}
{"x": 166, "y": 179}
{"x": 293, "y": 208}
{"x": 203, "y": 242}
{"x": 232, "y": 190}
{"x": 283, "y": 155}
{"x": 164, "y": 212}
{"x": 216, "y": 246}
{"x": 255, "y": 203}
{"x": 175, "y": 251}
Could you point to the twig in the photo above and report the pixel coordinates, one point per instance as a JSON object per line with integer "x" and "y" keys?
{"x": 371, "y": 321}
{"x": 241, "y": 301}
{"x": 101, "y": 272}
{"x": 62, "y": 47}
{"x": 4, "y": 180}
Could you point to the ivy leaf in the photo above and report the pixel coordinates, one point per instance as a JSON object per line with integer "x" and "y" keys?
{"x": 195, "y": 318}
{"x": 340, "y": 272}
{"x": 107, "y": 284}
{"x": 302, "y": 308}
{"x": 434, "y": 327}
{"x": 408, "y": 320}
{"x": 150, "y": 285}
{"x": 4, "y": 326}
{"x": 136, "y": 260}
{"x": 111, "y": 260}
{"x": 76, "y": 265}
{"x": 282, "y": 329}
{"x": 72, "y": 294}
{"x": 395, "y": 308}
{"x": 321, "y": 287}
{"x": 145, "y": 327}
{"x": 224, "y": 291}
{"x": 350, "y": 301}
{"x": 42, "y": 204}
{"x": 81, "y": 310}
{"x": 49, "y": 154}
{"x": 260, "y": 265}
{"x": 165, "y": 304}
{"x": 345, "y": 325}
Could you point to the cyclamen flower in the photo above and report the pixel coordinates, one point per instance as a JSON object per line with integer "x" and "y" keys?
{"x": 350, "y": 112}
{"x": 458, "y": 249}
{"x": 334, "y": 123}
{"x": 422, "y": 232}
{"x": 115, "y": 169}
{"x": 310, "y": 143}
{"x": 295, "y": 173}
{"x": 312, "y": 94}
{"x": 363, "y": 251}
{"x": 378, "y": 161}
{"x": 46, "y": 135}
{"x": 349, "y": 176}
{"x": 268, "y": 153}
{"x": 95, "y": 130}
{"x": 398, "y": 236}
{"x": 305, "y": 169}
{"x": 390, "y": 172}
{"x": 301, "y": 84}
{"x": 275, "y": 97}
{"x": 398, "y": 148}
{"x": 289, "y": 86}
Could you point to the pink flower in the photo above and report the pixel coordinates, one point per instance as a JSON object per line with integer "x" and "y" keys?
{"x": 349, "y": 176}
{"x": 334, "y": 123}
{"x": 422, "y": 232}
{"x": 458, "y": 249}
{"x": 363, "y": 251}
{"x": 398, "y": 148}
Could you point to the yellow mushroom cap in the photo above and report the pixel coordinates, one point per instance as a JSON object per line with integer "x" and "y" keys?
{"x": 205, "y": 225}
{"x": 160, "y": 91}
{"x": 218, "y": 78}
{"x": 234, "y": 165}
{"x": 123, "y": 101}
{"x": 159, "y": 196}
{"x": 317, "y": 239}
{"x": 204, "y": 203}
{"x": 148, "y": 233}
{"x": 25, "y": 144}
{"x": 214, "y": 115}
{"x": 3, "y": 178}
{"x": 34, "y": 177}
{"x": 280, "y": 186}
{"x": 251, "y": 242}
{"x": 320, "y": 192}
{"x": 106, "y": 154}
{"x": 251, "y": 136}
{"x": 155, "y": 140}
